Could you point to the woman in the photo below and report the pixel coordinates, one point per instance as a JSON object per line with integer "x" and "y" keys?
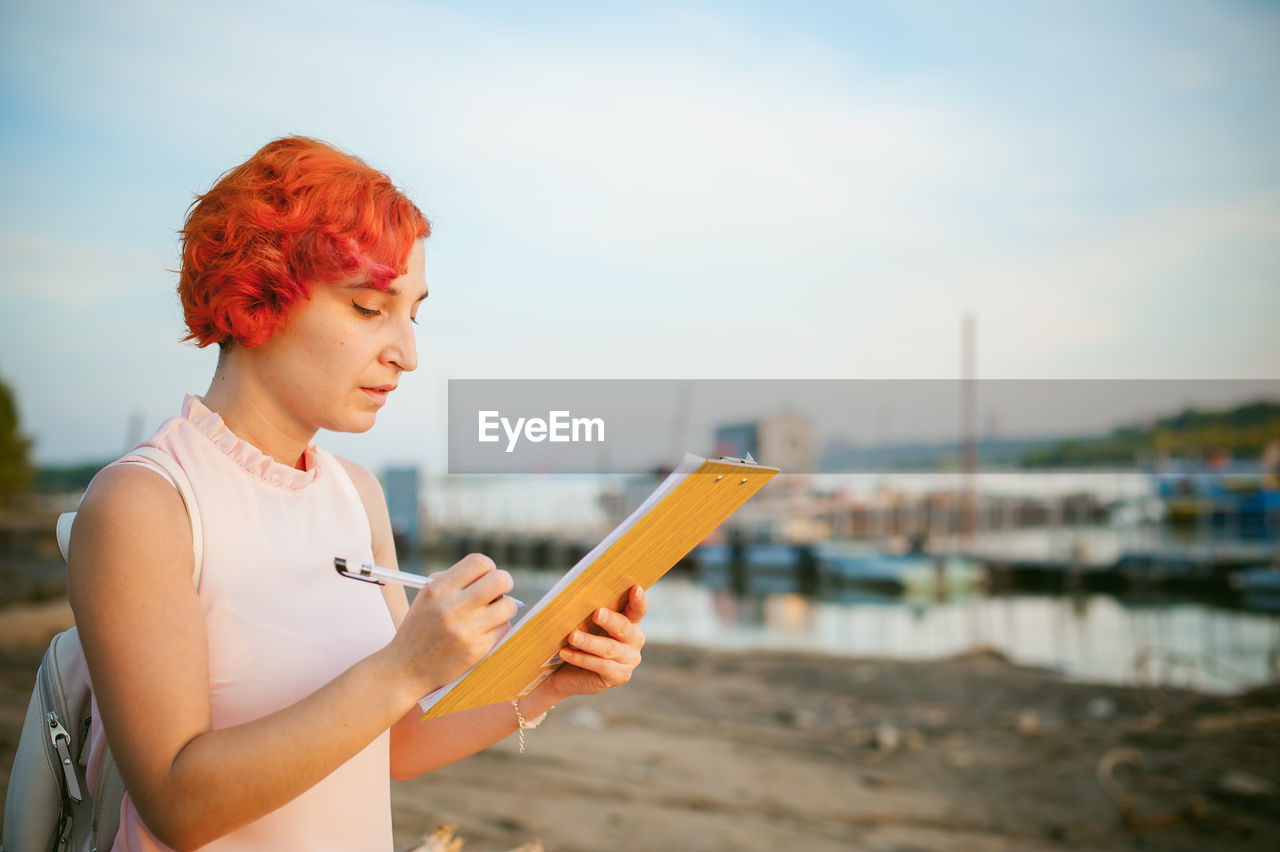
{"x": 264, "y": 707}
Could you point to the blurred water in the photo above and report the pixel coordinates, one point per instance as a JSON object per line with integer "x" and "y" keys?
{"x": 1088, "y": 638}
{"x": 1093, "y": 638}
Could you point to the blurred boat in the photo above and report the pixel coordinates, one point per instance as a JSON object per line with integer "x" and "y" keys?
{"x": 1231, "y": 494}
{"x": 756, "y": 566}
{"x": 911, "y": 574}
{"x": 834, "y": 565}
{"x": 1258, "y": 588}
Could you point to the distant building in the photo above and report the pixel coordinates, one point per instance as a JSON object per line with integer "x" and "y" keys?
{"x": 784, "y": 441}
{"x": 400, "y": 484}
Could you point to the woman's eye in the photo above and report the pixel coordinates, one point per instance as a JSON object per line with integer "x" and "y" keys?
{"x": 414, "y": 319}
{"x": 363, "y": 311}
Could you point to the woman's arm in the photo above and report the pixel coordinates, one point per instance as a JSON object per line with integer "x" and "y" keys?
{"x": 144, "y": 637}
{"x": 597, "y": 663}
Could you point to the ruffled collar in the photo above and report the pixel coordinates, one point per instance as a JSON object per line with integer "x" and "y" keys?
{"x": 252, "y": 460}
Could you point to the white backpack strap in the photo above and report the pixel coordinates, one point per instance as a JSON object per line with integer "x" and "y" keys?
{"x": 175, "y": 474}
{"x": 178, "y": 477}
{"x": 65, "y": 520}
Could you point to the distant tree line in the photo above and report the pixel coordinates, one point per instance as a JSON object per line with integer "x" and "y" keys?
{"x": 70, "y": 477}
{"x": 1242, "y": 432}
{"x": 18, "y": 473}
{"x": 15, "y": 449}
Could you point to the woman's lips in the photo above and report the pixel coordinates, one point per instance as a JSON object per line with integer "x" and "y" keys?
{"x": 379, "y": 394}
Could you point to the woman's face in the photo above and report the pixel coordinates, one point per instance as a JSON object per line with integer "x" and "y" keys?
{"x": 341, "y": 353}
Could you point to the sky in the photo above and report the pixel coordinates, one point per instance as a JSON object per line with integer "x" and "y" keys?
{"x": 696, "y": 190}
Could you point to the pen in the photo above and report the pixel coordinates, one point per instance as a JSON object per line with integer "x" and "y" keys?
{"x": 367, "y": 573}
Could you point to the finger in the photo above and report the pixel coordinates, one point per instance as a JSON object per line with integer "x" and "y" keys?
{"x": 464, "y": 572}
{"x": 611, "y": 672}
{"x": 603, "y": 646}
{"x": 637, "y": 605}
{"x": 491, "y": 586}
{"x": 618, "y": 625}
{"x": 497, "y": 614}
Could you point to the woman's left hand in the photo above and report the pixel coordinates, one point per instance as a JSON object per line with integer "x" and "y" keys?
{"x": 596, "y": 663}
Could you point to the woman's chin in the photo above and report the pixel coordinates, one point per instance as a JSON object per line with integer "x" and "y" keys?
{"x": 355, "y": 424}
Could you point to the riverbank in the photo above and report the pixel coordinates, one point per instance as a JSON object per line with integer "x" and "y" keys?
{"x": 710, "y": 750}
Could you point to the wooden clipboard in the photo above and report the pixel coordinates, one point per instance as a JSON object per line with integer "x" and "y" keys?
{"x": 691, "y": 502}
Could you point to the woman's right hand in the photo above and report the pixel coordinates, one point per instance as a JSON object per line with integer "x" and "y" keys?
{"x": 452, "y": 623}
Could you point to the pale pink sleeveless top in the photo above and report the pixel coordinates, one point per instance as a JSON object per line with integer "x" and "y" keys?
{"x": 281, "y": 623}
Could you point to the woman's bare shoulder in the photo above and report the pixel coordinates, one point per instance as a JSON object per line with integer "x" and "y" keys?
{"x": 133, "y": 506}
{"x": 131, "y": 484}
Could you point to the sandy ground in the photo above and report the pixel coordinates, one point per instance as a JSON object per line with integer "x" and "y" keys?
{"x": 766, "y": 751}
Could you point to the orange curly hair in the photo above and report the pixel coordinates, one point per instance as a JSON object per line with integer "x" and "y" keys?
{"x": 297, "y": 212}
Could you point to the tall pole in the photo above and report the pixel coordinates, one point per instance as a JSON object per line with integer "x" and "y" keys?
{"x": 968, "y": 409}
{"x": 968, "y": 427}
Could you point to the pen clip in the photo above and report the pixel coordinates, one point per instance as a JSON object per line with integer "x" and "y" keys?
{"x": 340, "y": 565}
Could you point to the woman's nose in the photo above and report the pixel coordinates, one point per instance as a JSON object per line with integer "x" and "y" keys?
{"x": 403, "y": 349}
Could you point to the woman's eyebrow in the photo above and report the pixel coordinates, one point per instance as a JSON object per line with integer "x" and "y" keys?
{"x": 369, "y": 285}
{"x": 389, "y": 291}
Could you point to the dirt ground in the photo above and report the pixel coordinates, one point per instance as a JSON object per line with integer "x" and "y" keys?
{"x": 763, "y": 751}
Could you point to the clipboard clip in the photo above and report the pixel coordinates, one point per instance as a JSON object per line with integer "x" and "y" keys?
{"x": 747, "y": 460}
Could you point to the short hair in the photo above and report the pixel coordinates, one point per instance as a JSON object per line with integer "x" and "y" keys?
{"x": 297, "y": 212}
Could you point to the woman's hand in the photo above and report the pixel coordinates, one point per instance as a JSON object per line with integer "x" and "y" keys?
{"x": 452, "y": 623}
{"x": 596, "y": 663}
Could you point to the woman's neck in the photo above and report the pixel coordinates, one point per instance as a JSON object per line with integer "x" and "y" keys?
{"x": 253, "y": 415}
